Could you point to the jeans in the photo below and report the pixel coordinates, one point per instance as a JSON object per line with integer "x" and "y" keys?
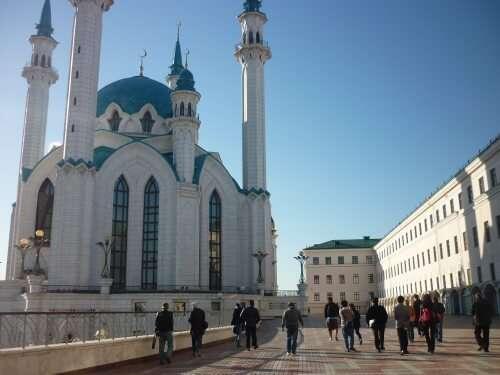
{"x": 291, "y": 339}
{"x": 403, "y": 339}
{"x": 430, "y": 336}
{"x": 348, "y": 333}
{"x": 439, "y": 331}
{"x": 378, "y": 334}
{"x": 484, "y": 341}
{"x": 411, "y": 332}
{"x": 356, "y": 330}
{"x": 165, "y": 338}
{"x": 251, "y": 332}
{"x": 196, "y": 342}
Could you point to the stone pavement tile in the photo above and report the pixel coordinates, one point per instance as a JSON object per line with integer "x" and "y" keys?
{"x": 458, "y": 355}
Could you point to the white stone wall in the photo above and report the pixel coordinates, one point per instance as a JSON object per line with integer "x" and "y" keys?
{"x": 394, "y": 254}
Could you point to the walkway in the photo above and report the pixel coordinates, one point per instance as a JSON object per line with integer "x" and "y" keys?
{"x": 458, "y": 355}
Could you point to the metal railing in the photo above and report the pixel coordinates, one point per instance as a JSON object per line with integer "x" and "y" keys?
{"x": 47, "y": 328}
{"x": 139, "y": 289}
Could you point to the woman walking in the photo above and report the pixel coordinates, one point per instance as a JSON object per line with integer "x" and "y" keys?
{"x": 356, "y": 322}
{"x": 413, "y": 322}
{"x": 428, "y": 323}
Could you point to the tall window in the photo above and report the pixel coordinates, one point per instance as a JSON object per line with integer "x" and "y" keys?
{"x": 44, "y": 208}
{"x": 340, "y": 260}
{"x": 315, "y": 261}
{"x": 120, "y": 225}
{"x": 470, "y": 194}
{"x": 492, "y": 272}
{"x": 448, "y": 250}
{"x": 466, "y": 242}
{"x": 150, "y": 235}
{"x": 493, "y": 178}
{"x": 329, "y": 279}
{"x": 342, "y": 296}
{"x": 341, "y": 279}
{"x": 190, "y": 110}
{"x": 481, "y": 185}
{"x": 487, "y": 235}
{"x": 316, "y": 279}
{"x": 369, "y": 259}
{"x": 460, "y": 204}
{"x": 316, "y": 297}
{"x": 114, "y": 121}
{"x": 355, "y": 296}
{"x": 328, "y": 260}
{"x": 371, "y": 278}
{"x": 452, "y": 206}
{"x": 475, "y": 237}
{"x": 456, "y": 244}
{"x": 355, "y": 259}
{"x": 355, "y": 278}
{"x": 479, "y": 275}
{"x": 182, "y": 109}
{"x": 444, "y": 211}
{"x": 215, "y": 228}
{"x": 147, "y": 122}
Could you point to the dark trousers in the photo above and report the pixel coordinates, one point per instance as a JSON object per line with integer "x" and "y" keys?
{"x": 484, "y": 340}
{"x": 378, "y": 334}
{"x": 165, "y": 338}
{"x": 356, "y": 330}
{"x": 348, "y": 333}
{"x": 196, "y": 341}
{"x": 251, "y": 332}
{"x": 403, "y": 339}
{"x": 439, "y": 331}
{"x": 291, "y": 339}
{"x": 411, "y": 332}
{"x": 430, "y": 336}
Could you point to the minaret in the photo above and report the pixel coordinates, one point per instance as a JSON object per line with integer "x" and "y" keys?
{"x": 253, "y": 53}
{"x": 40, "y": 76}
{"x": 177, "y": 67}
{"x": 84, "y": 76}
{"x": 185, "y": 125}
{"x": 72, "y": 243}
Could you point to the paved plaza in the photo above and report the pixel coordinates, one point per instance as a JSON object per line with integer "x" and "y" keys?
{"x": 458, "y": 355}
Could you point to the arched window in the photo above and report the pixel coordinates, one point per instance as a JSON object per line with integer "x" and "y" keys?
{"x": 258, "y": 37}
{"x": 119, "y": 233}
{"x": 114, "y": 121}
{"x": 182, "y": 109}
{"x": 147, "y": 122}
{"x": 150, "y": 235}
{"x": 250, "y": 37}
{"x": 44, "y": 208}
{"x": 43, "y": 61}
{"x": 215, "y": 242}
{"x": 36, "y": 60}
{"x": 244, "y": 37}
{"x": 175, "y": 111}
{"x": 49, "y": 62}
{"x": 190, "y": 110}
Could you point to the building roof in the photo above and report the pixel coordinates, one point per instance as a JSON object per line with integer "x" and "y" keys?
{"x": 363, "y": 243}
{"x": 131, "y": 94}
{"x": 45, "y": 26}
{"x": 252, "y": 5}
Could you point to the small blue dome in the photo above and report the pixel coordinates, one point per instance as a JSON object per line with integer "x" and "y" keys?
{"x": 133, "y": 93}
{"x": 185, "y": 81}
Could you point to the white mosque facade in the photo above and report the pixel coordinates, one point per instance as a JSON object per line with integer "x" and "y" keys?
{"x": 131, "y": 171}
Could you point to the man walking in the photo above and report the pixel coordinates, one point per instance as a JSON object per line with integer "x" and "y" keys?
{"x": 332, "y": 318}
{"x": 439, "y": 310}
{"x": 164, "y": 327}
{"x": 251, "y": 317}
{"x": 291, "y": 320}
{"x": 417, "y": 306}
{"x": 402, "y": 318}
{"x": 482, "y": 312}
{"x": 356, "y": 322}
{"x": 198, "y": 327}
{"x": 376, "y": 318}
{"x": 346, "y": 319}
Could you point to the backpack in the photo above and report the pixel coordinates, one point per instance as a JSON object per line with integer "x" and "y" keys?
{"x": 426, "y": 316}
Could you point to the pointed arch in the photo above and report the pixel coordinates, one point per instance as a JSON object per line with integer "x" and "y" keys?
{"x": 42, "y": 64}
{"x": 114, "y": 121}
{"x": 190, "y": 110}
{"x": 182, "y": 109}
{"x": 119, "y": 233}
{"x": 147, "y": 122}
{"x": 250, "y": 37}
{"x": 258, "y": 38}
{"x": 215, "y": 242}
{"x": 150, "y": 235}
{"x": 45, "y": 208}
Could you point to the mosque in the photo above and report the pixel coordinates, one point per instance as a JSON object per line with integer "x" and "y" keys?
{"x": 130, "y": 202}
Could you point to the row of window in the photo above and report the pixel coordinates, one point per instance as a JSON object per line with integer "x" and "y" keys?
{"x": 147, "y": 122}
{"x": 355, "y": 279}
{"x": 44, "y": 211}
{"x": 249, "y": 38}
{"x": 342, "y": 297}
{"x": 429, "y": 223}
{"x": 341, "y": 260}
{"x": 45, "y": 62}
{"x": 454, "y": 281}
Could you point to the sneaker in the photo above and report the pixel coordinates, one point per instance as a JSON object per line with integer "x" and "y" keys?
{"x": 406, "y": 352}
{"x": 383, "y": 348}
{"x": 288, "y": 354}
{"x": 480, "y": 348}
{"x": 402, "y": 352}
{"x": 486, "y": 350}
{"x": 331, "y": 339}
{"x": 256, "y": 347}
{"x": 353, "y": 350}
{"x": 336, "y": 338}
{"x": 379, "y": 350}
{"x": 294, "y": 354}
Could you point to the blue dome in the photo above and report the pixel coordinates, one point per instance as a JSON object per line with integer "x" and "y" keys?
{"x": 133, "y": 93}
{"x": 185, "y": 81}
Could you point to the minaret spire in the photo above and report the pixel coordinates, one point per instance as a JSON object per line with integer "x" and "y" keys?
{"x": 45, "y": 26}
{"x": 177, "y": 65}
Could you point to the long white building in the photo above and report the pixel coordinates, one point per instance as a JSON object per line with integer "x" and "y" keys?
{"x": 451, "y": 243}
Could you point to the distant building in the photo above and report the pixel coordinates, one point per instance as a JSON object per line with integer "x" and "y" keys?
{"x": 451, "y": 243}
{"x": 343, "y": 270}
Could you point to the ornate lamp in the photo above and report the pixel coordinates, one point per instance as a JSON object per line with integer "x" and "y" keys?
{"x": 39, "y": 241}
{"x": 260, "y": 255}
{"x": 23, "y": 246}
{"x": 301, "y": 258}
{"x": 106, "y": 247}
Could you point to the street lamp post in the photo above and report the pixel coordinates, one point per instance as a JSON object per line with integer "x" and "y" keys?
{"x": 302, "y": 286}
{"x": 39, "y": 241}
{"x": 260, "y": 255}
{"x": 23, "y": 247}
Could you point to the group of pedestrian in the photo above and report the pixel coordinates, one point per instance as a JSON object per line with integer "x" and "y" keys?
{"x": 246, "y": 319}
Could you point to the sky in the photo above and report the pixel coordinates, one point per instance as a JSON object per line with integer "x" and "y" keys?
{"x": 370, "y": 104}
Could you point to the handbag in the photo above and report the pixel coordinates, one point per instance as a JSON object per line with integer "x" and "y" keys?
{"x": 371, "y": 323}
{"x": 153, "y": 344}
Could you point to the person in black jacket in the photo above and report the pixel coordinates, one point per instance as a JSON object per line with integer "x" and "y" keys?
{"x": 198, "y": 327}
{"x": 251, "y": 317}
{"x": 164, "y": 327}
{"x": 482, "y": 311}
{"x": 356, "y": 322}
{"x": 439, "y": 310}
{"x": 417, "y": 306}
{"x": 332, "y": 318}
{"x": 236, "y": 323}
{"x": 376, "y": 319}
